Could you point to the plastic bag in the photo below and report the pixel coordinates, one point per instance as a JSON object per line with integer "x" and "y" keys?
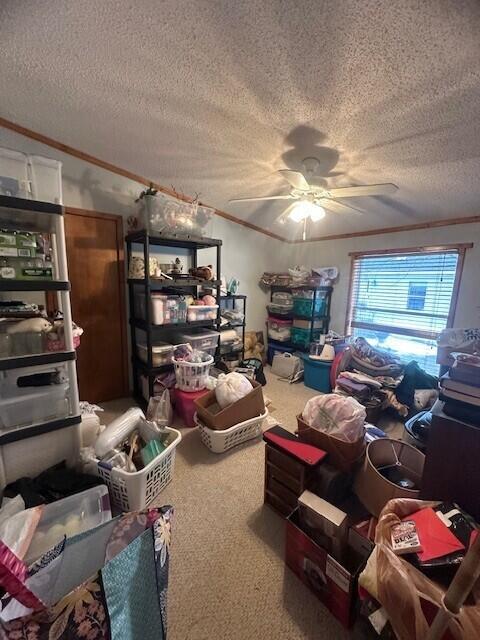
{"x": 160, "y": 410}
{"x": 16, "y": 535}
{"x": 342, "y": 417}
{"x": 231, "y": 388}
{"x": 400, "y": 587}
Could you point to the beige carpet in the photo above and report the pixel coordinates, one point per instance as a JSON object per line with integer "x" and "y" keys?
{"x": 228, "y": 580}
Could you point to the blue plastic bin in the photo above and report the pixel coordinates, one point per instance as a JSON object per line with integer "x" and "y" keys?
{"x": 316, "y": 374}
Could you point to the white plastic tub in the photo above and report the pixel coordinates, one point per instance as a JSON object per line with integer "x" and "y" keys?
{"x": 221, "y": 441}
{"x": 162, "y": 353}
{"x": 46, "y": 179}
{"x": 199, "y": 312}
{"x": 68, "y": 517}
{"x": 136, "y": 491}
{"x": 14, "y": 180}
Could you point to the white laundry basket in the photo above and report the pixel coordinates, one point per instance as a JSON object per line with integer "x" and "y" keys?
{"x": 135, "y": 491}
{"x": 192, "y": 376}
{"x": 221, "y": 441}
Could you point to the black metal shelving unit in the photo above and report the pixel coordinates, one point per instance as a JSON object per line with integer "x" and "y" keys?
{"x": 149, "y": 284}
{"x": 314, "y": 317}
{"x": 236, "y": 325}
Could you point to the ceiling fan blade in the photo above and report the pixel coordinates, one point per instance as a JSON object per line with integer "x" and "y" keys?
{"x": 295, "y": 178}
{"x": 339, "y": 207}
{"x": 363, "y": 190}
{"x": 261, "y": 198}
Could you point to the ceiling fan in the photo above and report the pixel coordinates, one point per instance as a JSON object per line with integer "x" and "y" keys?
{"x": 311, "y": 200}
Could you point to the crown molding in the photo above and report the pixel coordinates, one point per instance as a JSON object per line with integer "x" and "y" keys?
{"x": 86, "y": 157}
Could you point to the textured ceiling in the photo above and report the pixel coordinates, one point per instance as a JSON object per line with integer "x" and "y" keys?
{"x": 214, "y": 96}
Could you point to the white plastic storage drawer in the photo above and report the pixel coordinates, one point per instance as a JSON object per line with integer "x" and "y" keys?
{"x": 201, "y": 339}
{"x": 14, "y": 174}
{"x": 46, "y": 179}
{"x": 33, "y": 395}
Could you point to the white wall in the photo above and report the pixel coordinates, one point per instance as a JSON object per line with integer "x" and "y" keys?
{"x": 335, "y": 253}
{"x": 245, "y": 254}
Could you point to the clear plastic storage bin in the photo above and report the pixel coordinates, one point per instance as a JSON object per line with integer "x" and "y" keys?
{"x": 46, "y": 179}
{"x": 14, "y": 179}
{"x": 33, "y": 395}
{"x": 198, "y": 312}
{"x": 279, "y": 330}
{"x": 201, "y": 339}
{"x": 162, "y": 353}
{"x": 69, "y": 517}
{"x": 165, "y": 214}
{"x": 164, "y": 309}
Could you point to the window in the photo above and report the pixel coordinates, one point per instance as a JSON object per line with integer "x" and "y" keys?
{"x": 401, "y": 301}
{"x": 416, "y": 296}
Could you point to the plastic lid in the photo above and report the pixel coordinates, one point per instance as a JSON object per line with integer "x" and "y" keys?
{"x": 14, "y": 155}
{"x": 47, "y": 161}
{"x": 157, "y": 348}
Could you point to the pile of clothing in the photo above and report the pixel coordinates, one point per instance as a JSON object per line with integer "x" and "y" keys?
{"x": 378, "y": 380}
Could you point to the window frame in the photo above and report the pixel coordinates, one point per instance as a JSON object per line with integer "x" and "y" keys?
{"x": 460, "y": 248}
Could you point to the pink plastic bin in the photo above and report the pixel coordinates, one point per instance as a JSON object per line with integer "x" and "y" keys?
{"x": 184, "y": 405}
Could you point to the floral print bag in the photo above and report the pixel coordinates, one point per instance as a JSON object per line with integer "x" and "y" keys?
{"x": 125, "y": 599}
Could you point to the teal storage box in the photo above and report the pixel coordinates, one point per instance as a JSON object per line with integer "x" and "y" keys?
{"x": 316, "y": 374}
{"x": 303, "y": 337}
{"x": 305, "y": 307}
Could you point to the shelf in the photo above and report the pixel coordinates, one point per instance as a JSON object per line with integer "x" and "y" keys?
{"x": 143, "y": 366}
{"x": 28, "y": 215}
{"x": 174, "y": 284}
{"x": 290, "y": 345}
{"x": 275, "y": 287}
{"x": 18, "y": 362}
{"x": 34, "y": 285}
{"x": 139, "y": 237}
{"x": 21, "y": 433}
{"x": 231, "y": 326}
{"x": 141, "y": 324}
{"x": 233, "y": 297}
{"x": 310, "y": 318}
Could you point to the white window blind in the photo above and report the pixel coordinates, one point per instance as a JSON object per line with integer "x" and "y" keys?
{"x": 401, "y": 302}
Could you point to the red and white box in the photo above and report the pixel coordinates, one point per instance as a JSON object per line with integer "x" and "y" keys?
{"x": 333, "y": 581}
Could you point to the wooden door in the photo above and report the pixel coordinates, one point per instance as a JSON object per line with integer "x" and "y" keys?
{"x": 95, "y": 257}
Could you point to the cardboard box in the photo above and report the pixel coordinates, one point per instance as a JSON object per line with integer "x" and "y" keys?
{"x": 343, "y": 455}
{"x": 308, "y": 324}
{"x": 326, "y": 524}
{"x": 332, "y": 581}
{"x": 18, "y": 245}
{"x": 213, "y": 417}
{"x": 361, "y": 537}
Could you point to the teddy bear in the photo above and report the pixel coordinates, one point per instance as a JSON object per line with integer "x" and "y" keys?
{"x": 253, "y": 347}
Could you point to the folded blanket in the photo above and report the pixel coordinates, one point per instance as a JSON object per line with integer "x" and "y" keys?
{"x": 362, "y": 378}
{"x": 360, "y": 391}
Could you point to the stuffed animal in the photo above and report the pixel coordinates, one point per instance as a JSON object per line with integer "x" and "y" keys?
{"x": 30, "y": 325}
{"x": 202, "y": 273}
{"x": 254, "y": 347}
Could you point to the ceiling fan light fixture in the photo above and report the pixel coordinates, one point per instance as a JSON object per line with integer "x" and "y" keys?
{"x": 305, "y": 209}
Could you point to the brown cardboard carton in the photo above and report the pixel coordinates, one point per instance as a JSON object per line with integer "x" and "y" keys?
{"x": 341, "y": 454}
{"x": 213, "y": 417}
